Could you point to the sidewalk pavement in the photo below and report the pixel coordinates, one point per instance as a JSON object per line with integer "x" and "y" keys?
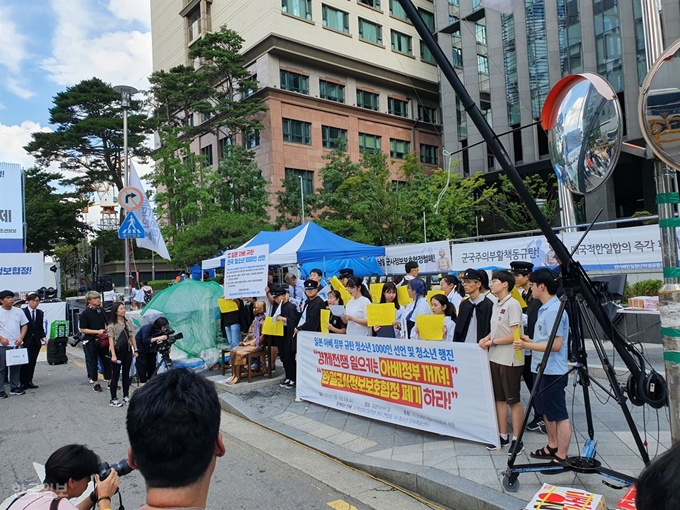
{"x": 456, "y": 473}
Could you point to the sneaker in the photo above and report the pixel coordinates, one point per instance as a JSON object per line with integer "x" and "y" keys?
{"x": 126, "y": 400}
{"x": 4, "y": 395}
{"x": 533, "y": 425}
{"x": 91, "y": 381}
{"x": 17, "y": 391}
{"x": 516, "y": 447}
{"x": 285, "y": 383}
{"x": 115, "y": 403}
{"x": 503, "y": 443}
{"x": 290, "y": 385}
{"x": 97, "y": 387}
{"x": 541, "y": 427}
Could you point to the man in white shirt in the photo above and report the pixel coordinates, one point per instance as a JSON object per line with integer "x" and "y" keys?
{"x": 13, "y": 327}
{"x": 412, "y": 271}
{"x": 296, "y": 290}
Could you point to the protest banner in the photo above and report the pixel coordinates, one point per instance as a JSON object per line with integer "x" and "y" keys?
{"x": 431, "y": 257}
{"x": 430, "y": 327}
{"x": 440, "y": 388}
{"x": 384, "y": 314}
{"x": 246, "y": 271}
{"x": 272, "y": 327}
{"x": 11, "y": 215}
{"x": 376, "y": 291}
{"x": 21, "y": 272}
{"x": 325, "y": 319}
{"x": 227, "y": 305}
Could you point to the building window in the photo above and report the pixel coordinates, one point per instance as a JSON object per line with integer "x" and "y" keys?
{"x": 429, "y": 154}
{"x": 537, "y": 50}
{"x": 251, "y": 139}
{"x": 332, "y": 91}
{"x": 297, "y": 131}
{"x": 307, "y": 180}
{"x": 369, "y": 143}
{"x": 371, "y": 3}
{"x": 194, "y": 23}
{"x": 608, "y": 49}
{"x": 208, "y": 153}
{"x": 294, "y": 82}
{"x": 402, "y": 43}
{"x": 248, "y": 89}
{"x": 370, "y": 32}
{"x": 367, "y": 99}
{"x": 427, "y": 114}
{"x": 399, "y": 148}
{"x": 331, "y": 136}
{"x": 480, "y": 33}
{"x": 457, "y": 56}
{"x": 510, "y": 67}
{"x": 397, "y": 10}
{"x": 483, "y": 65}
{"x": 225, "y": 145}
{"x": 428, "y": 19}
{"x": 335, "y": 19}
{"x": 300, "y": 8}
{"x": 426, "y": 54}
{"x": 397, "y": 107}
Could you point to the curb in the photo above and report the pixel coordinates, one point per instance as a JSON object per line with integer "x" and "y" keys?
{"x": 433, "y": 484}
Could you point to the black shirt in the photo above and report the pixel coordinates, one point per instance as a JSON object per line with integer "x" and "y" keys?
{"x": 93, "y": 318}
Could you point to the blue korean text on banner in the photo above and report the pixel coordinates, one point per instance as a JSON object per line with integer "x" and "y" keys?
{"x": 131, "y": 227}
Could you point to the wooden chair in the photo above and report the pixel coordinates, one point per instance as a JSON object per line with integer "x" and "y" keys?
{"x": 263, "y": 356}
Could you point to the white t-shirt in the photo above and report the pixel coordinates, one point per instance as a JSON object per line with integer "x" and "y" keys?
{"x": 41, "y": 501}
{"x": 356, "y": 307}
{"x": 455, "y": 298}
{"x": 139, "y": 295}
{"x": 10, "y": 323}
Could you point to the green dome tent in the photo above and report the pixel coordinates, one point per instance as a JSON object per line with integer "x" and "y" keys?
{"x": 191, "y": 308}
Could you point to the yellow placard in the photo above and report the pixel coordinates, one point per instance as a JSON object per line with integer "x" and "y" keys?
{"x": 337, "y": 285}
{"x": 384, "y": 314}
{"x": 272, "y": 327}
{"x": 516, "y": 336}
{"x": 227, "y": 305}
{"x": 376, "y": 291}
{"x": 325, "y": 319}
{"x": 515, "y": 293}
{"x": 402, "y": 295}
{"x": 431, "y": 293}
{"x": 430, "y": 327}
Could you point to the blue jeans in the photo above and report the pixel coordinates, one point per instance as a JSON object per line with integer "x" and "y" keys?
{"x": 233, "y": 334}
{"x": 14, "y": 372}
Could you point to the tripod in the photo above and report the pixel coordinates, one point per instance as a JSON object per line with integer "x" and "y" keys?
{"x": 573, "y": 305}
{"x": 165, "y": 361}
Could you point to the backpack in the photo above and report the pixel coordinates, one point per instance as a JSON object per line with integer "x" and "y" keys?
{"x": 148, "y": 294}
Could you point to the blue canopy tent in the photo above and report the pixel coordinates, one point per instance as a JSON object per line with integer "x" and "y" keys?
{"x": 306, "y": 243}
{"x": 361, "y": 267}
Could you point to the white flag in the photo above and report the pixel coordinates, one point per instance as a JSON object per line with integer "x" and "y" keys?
{"x": 503, "y": 6}
{"x": 153, "y": 238}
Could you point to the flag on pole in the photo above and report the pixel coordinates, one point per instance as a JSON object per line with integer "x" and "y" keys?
{"x": 502, "y": 6}
{"x": 153, "y": 239}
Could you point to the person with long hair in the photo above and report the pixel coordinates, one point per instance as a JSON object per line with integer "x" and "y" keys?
{"x": 419, "y": 306}
{"x": 388, "y": 295}
{"x": 122, "y": 347}
{"x": 440, "y": 305}
{"x": 335, "y": 324}
{"x": 147, "y": 335}
{"x": 453, "y": 289}
{"x": 355, "y": 316}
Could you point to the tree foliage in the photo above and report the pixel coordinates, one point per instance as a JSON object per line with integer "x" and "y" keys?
{"x": 508, "y": 206}
{"x": 88, "y": 140}
{"x": 238, "y": 185}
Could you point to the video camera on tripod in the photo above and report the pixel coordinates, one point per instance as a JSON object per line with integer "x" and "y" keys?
{"x": 164, "y": 345}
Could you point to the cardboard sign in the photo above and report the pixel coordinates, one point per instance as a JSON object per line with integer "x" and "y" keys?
{"x": 384, "y": 314}
{"x": 431, "y": 293}
{"x": 566, "y": 498}
{"x": 402, "y": 295}
{"x": 325, "y": 319}
{"x": 516, "y": 294}
{"x": 337, "y": 285}
{"x": 376, "y": 291}
{"x": 430, "y": 327}
{"x": 272, "y": 327}
{"x": 227, "y": 305}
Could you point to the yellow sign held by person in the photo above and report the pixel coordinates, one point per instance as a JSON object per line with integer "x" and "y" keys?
{"x": 376, "y": 291}
{"x": 430, "y": 327}
{"x": 384, "y": 314}
{"x": 402, "y": 295}
{"x": 515, "y": 293}
{"x": 227, "y": 305}
{"x": 325, "y": 319}
{"x": 516, "y": 336}
{"x": 272, "y": 327}
{"x": 337, "y": 285}
{"x": 431, "y": 293}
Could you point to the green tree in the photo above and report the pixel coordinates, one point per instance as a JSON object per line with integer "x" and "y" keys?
{"x": 238, "y": 184}
{"x": 88, "y": 139}
{"x": 289, "y": 203}
{"x": 509, "y": 208}
{"x": 53, "y": 218}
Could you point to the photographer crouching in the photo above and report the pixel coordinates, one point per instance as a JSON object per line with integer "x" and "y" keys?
{"x": 68, "y": 472}
{"x": 152, "y": 339}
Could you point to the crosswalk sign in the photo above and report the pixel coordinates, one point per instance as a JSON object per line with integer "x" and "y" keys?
{"x": 131, "y": 228}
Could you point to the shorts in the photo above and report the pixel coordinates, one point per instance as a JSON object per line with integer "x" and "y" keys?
{"x": 550, "y": 400}
{"x": 506, "y": 382}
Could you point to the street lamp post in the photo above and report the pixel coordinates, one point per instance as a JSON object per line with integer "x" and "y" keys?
{"x": 126, "y": 92}
{"x": 302, "y": 201}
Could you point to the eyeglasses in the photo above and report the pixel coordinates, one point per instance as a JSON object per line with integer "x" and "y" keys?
{"x": 469, "y": 282}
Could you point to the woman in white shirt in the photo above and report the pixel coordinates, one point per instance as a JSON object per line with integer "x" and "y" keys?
{"x": 355, "y": 310}
{"x": 453, "y": 289}
{"x": 419, "y": 306}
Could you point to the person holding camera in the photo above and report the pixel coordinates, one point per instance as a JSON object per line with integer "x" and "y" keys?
{"x": 93, "y": 326}
{"x": 122, "y": 347}
{"x": 177, "y": 411}
{"x": 146, "y": 337}
{"x": 68, "y": 472}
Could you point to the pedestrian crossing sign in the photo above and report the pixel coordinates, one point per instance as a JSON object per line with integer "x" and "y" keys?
{"x": 131, "y": 227}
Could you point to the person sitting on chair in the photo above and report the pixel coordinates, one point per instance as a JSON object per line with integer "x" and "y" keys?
{"x": 251, "y": 343}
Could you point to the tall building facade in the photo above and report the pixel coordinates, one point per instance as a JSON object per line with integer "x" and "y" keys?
{"x": 508, "y": 64}
{"x": 353, "y": 69}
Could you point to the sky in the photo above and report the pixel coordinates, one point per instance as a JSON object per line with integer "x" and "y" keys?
{"x": 49, "y": 45}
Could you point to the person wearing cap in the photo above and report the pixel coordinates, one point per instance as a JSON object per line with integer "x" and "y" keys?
{"x": 522, "y": 272}
{"x": 474, "y": 313}
{"x": 311, "y": 311}
{"x": 287, "y": 313}
{"x": 345, "y": 274}
{"x": 13, "y": 327}
{"x": 34, "y": 339}
{"x": 412, "y": 271}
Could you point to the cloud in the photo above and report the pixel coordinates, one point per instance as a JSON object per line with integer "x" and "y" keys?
{"x": 12, "y": 141}
{"x": 13, "y": 54}
{"x": 131, "y": 10}
{"x": 16, "y": 87}
{"x": 81, "y": 50}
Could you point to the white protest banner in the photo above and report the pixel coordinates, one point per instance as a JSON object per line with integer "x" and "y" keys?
{"x": 440, "y": 388}
{"x": 431, "y": 257}
{"x": 11, "y": 210}
{"x": 153, "y": 237}
{"x": 499, "y": 254}
{"x": 21, "y": 272}
{"x": 246, "y": 271}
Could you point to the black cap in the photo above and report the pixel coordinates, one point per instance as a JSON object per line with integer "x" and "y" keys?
{"x": 279, "y": 290}
{"x": 521, "y": 267}
{"x": 476, "y": 274}
{"x": 410, "y": 265}
{"x": 311, "y": 284}
{"x": 346, "y": 272}
{"x": 6, "y": 293}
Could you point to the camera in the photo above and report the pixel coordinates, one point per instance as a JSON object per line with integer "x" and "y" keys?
{"x": 76, "y": 339}
{"x": 164, "y": 345}
{"x": 121, "y": 467}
